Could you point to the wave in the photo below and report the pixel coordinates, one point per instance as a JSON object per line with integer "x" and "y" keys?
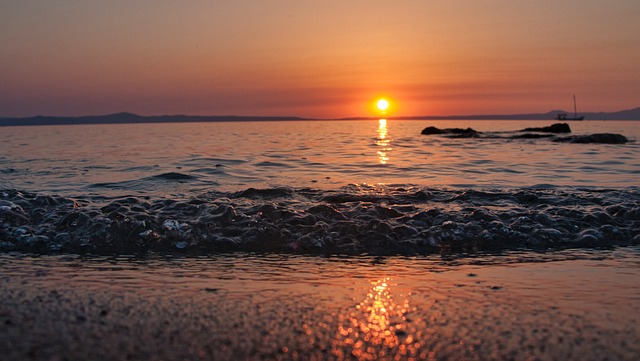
{"x": 173, "y": 176}
{"x": 351, "y": 220}
{"x": 147, "y": 183}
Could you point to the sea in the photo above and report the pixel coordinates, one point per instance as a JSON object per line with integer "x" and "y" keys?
{"x": 318, "y": 187}
{"x": 320, "y": 240}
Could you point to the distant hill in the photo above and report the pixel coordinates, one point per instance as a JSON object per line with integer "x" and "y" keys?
{"x": 631, "y": 114}
{"x": 129, "y": 118}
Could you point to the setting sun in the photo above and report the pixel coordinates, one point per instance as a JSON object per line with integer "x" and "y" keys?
{"x": 382, "y": 104}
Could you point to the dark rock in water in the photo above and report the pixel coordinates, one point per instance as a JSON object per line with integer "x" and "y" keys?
{"x": 431, "y": 130}
{"x": 602, "y": 138}
{"x": 460, "y": 130}
{"x": 554, "y": 128}
{"x": 532, "y": 136}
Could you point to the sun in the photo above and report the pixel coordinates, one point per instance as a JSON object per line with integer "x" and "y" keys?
{"x": 382, "y": 105}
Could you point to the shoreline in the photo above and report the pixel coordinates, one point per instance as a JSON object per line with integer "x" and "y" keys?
{"x": 578, "y": 305}
{"x": 132, "y": 118}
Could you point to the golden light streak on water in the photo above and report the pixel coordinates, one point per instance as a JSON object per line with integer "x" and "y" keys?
{"x": 383, "y": 141}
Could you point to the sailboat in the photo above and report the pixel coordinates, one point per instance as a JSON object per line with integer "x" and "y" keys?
{"x": 565, "y": 116}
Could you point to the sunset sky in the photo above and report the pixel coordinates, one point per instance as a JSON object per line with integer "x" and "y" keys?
{"x": 317, "y": 58}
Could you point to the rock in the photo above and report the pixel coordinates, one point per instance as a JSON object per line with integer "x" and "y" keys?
{"x": 459, "y": 131}
{"x": 431, "y": 130}
{"x": 554, "y": 128}
{"x": 601, "y": 138}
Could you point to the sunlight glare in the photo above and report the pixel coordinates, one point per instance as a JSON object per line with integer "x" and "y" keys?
{"x": 382, "y": 104}
{"x": 377, "y": 328}
{"x": 383, "y": 142}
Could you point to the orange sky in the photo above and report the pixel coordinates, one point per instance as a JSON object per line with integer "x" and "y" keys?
{"x": 317, "y": 59}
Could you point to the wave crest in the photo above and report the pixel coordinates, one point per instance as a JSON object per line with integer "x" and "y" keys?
{"x": 350, "y": 220}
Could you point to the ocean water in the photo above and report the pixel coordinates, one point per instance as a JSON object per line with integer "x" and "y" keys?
{"x": 373, "y": 186}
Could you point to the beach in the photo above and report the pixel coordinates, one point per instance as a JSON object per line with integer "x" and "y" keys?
{"x": 302, "y": 240}
{"x": 571, "y": 305}
{"x": 304, "y": 180}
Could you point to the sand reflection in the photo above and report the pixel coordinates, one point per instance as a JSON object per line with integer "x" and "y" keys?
{"x": 383, "y": 141}
{"x": 377, "y": 328}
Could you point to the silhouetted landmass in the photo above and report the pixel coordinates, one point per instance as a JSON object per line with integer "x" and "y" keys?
{"x": 129, "y": 118}
{"x": 631, "y": 114}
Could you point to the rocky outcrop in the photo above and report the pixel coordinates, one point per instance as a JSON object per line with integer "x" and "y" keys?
{"x": 530, "y": 133}
{"x": 554, "y": 128}
{"x": 457, "y": 131}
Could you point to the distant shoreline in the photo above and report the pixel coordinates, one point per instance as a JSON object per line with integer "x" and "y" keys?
{"x": 130, "y": 118}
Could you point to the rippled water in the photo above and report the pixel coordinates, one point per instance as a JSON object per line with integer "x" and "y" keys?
{"x": 183, "y": 159}
{"x": 317, "y": 240}
{"x": 314, "y": 186}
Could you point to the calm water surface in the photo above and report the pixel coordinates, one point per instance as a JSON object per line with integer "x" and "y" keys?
{"x": 371, "y": 241}
{"x": 184, "y": 159}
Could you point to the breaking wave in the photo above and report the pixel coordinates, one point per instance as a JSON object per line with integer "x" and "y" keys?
{"x": 352, "y": 220}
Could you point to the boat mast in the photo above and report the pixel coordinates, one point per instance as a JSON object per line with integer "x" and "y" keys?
{"x": 575, "y": 109}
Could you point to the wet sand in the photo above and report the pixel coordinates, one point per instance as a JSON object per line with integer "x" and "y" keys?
{"x": 570, "y": 305}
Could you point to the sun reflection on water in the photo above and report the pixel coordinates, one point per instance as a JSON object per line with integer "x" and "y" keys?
{"x": 383, "y": 141}
{"x": 377, "y": 328}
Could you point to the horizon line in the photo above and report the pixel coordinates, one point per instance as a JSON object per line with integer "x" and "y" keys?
{"x": 129, "y": 117}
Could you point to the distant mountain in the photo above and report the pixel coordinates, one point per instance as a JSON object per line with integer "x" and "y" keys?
{"x": 631, "y": 114}
{"x": 130, "y": 118}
